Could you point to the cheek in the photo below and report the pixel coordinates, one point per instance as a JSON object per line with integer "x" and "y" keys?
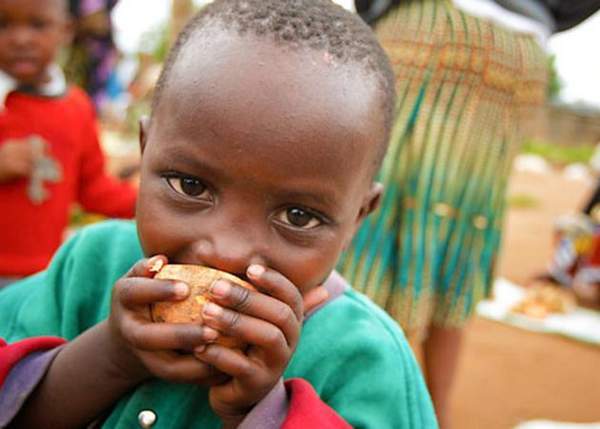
{"x": 308, "y": 268}
{"x": 53, "y": 48}
{"x": 51, "y": 43}
{"x": 156, "y": 230}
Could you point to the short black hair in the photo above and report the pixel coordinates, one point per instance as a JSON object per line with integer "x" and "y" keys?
{"x": 320, "y": 25}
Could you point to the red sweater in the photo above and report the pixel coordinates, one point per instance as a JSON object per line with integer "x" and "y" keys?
{"x": 29, "y": 233}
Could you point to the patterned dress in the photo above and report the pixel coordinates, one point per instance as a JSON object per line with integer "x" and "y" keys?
{"x": 465, "y": 88}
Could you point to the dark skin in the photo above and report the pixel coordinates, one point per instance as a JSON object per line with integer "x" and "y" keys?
{"x": 240, "y": 172}
{"x": 31, "y": 34}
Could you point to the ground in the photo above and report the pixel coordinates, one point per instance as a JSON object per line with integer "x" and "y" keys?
{"x": 507, "y": 375}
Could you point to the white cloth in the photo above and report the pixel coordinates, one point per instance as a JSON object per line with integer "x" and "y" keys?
{"x": 488, "y": 9}
{"x": 56, "y": 86}
{"x": 346, "y": 4}
{"x": 579, "y": 324}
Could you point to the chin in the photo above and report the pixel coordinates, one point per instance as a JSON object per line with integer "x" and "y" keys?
{"x": 28, "y": 80}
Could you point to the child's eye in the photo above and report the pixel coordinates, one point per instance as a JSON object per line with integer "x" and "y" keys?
{"x": 188, "y": 186}
{"x": 39, "y": 24}
{"x": 298, "y": 218}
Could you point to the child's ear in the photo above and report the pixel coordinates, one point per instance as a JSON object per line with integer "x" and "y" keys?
{"x": 144, "y": 124}
{"x": 369, "y": 205}
{"x": 68, "y": 32}
{"x": 371, "y": 201}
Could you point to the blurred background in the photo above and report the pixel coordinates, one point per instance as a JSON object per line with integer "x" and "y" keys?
{"x": 516, "y": 367}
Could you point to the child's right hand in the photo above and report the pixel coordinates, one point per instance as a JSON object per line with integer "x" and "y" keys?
{"x": 16, "y": 160}
{"x": 144, "y": 349}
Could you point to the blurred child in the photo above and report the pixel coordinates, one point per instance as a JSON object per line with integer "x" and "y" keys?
{"x": 50, "y": 157}
{"x": 575, "y": 263}
{"x": 93, "y": 54}
{"x": 269, "y": 122}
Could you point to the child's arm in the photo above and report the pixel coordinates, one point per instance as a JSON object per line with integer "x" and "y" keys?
{"x": 16, "y": 160}
{"x": 98, "y": 367}
{"x": 22, "y": 365}
{"x": 98, "y": 191}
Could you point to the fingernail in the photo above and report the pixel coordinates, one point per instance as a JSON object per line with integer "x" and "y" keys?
{"x": 155, "y": 264}
{"x": 209, "y": 334}
{"x": 212, "y": 310}
{"x": 181, "y": 290}
{"x": 200, "y": 349}
{"x": 255, "y": 270}
{"x": 220, "y": 289}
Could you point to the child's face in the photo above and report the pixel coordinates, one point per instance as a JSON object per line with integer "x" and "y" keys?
{"x": 259, "y": 155}
{"x": 31, "y": 32}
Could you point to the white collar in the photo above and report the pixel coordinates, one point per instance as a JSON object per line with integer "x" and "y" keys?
{"x": 54, "y": 88}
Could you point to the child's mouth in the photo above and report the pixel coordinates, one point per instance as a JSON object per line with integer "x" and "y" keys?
{"x": 24, "y": 67}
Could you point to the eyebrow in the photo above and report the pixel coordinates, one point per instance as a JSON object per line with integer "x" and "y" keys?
{"x": 180, "y": 158}
{"x": 320, "y": 199}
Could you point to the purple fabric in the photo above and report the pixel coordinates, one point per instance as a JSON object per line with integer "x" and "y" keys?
{"x": 5, "y": 281}
{"x": 336, "y": 286}
{"x": 87, "y": 7}
{"x": 270, "y": 412}
{"x": 21, "y": 381}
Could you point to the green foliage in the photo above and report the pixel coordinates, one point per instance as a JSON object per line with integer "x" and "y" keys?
{"x": 156, "y": 42}
{"x": 554, "y": 84}
{"x": 559, "y": 154}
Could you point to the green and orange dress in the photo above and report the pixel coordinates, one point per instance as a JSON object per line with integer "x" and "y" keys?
{"x": 465, "y": 88}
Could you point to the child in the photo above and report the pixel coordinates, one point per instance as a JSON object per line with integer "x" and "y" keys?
{"x": 575, "y": 262}
{"x": 268, "y": 124}
{"x": 49, "y": 151}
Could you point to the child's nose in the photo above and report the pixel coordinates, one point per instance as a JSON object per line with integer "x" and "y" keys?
{"x": 228, "y": 251}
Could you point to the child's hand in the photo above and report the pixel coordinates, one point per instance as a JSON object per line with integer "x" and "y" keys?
{"x": 313, "y": 298}
{"x": 269, "y": 322}
{"x": 143, "y": 348}
{"x": 16, "y": 160}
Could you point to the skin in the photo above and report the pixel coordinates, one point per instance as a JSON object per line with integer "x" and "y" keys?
{"x": 16, "y": 160}
{"x": 441, "y": 356}
{"x": 31, "y": 34}
{"x": 252, "y": 169}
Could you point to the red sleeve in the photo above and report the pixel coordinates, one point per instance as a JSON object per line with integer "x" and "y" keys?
{"x": 306, "y": 410}
{"x": 98, "y": 191}
{"x": 11, "y": 354}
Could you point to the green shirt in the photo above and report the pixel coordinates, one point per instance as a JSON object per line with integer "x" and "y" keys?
{"x": 352, "y": 353}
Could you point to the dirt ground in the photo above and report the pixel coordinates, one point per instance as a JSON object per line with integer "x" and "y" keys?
{"x": 508, "y": 375}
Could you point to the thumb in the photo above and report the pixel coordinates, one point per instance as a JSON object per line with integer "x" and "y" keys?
{"x": 315, "y": 297}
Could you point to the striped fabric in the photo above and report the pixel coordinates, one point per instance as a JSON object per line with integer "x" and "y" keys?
{"x": 465, "y": 87}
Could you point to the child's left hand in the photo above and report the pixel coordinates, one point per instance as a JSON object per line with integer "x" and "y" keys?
{"x": 269, "y": 321}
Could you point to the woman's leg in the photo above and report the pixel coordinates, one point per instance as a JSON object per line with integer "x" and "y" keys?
{"x": 441, "y": 351}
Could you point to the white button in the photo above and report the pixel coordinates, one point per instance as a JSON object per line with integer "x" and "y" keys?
{"x": 147, "y": 418}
